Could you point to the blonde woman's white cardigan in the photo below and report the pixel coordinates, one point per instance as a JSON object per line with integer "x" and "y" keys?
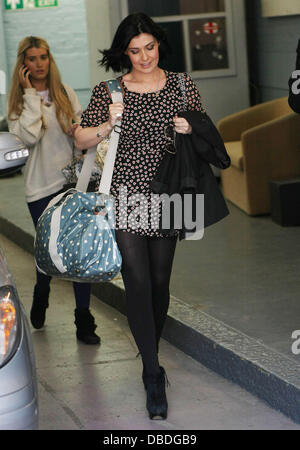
{"x": 50, "y": 149}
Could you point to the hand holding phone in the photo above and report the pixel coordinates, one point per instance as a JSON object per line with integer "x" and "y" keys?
{"x": 24, "y": 75}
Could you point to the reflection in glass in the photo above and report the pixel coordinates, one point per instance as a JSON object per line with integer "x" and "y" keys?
{"x": 158, "y": 8}
{"x": 208, "y": 44}
{"x": 201, "y": 6}
{"x": 174, "y": 61}
{"x": 154, "y": 8}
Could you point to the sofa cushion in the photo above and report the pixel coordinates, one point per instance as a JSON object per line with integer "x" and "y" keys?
{"x": 234, "y": 150}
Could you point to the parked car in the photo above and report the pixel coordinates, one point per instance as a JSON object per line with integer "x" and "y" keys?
{"x": 3, "y": 124}
{"x": 18, "y": 380}
{"x": 13, "y": 153}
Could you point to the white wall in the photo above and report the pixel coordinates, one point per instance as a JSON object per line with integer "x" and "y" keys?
{"x": 99, "y": 36}
{"x": 272, "y": 8}
{"x": 64, "y": 28}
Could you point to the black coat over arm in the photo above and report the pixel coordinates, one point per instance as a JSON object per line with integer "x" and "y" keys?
{"x": 189, "y": 171}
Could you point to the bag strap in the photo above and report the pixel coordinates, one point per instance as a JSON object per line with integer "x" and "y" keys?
{"x": 84, "y": 176}
{"x": 181, "y": 79}
{"x": 116, "y": 96}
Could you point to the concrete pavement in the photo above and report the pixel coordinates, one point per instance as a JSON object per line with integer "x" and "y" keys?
{"x": 234, "y": 298}
{"x": 100, "y": 388}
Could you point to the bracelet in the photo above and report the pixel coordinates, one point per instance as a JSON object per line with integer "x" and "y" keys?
{"x": 99, "y": 135}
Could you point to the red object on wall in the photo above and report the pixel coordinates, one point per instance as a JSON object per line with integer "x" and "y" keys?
{"x": 211, "y": 28}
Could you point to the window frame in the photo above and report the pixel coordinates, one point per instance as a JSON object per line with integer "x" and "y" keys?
{"x": 184, "y": 18}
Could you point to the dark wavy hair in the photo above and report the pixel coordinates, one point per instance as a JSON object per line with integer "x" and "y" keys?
{"x": 132, "y": 26}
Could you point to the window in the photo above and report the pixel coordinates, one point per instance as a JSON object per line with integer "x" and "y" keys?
{"x": 200, "y": 33}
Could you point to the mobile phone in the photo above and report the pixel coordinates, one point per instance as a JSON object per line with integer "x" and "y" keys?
{"x": 26, "y": 71}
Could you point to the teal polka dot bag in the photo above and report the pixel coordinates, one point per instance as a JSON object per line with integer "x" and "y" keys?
{"x": 75, "y": 235}
{"x": 75, "y": 238}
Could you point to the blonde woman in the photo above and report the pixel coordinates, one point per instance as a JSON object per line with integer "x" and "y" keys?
{"x": 44, "y": 113}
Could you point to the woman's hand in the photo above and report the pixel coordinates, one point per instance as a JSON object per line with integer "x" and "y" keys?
{"x": 24, "y": 74}
{"x": 71, "y": 131}
{"x": 115, "y": 113}
{"x": 181, "y": 125}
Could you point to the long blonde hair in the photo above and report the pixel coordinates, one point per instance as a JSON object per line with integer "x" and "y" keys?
{"x": 64, "y": 109}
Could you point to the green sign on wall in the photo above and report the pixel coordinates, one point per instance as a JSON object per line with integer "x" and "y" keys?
{"x": 14, "y": 5}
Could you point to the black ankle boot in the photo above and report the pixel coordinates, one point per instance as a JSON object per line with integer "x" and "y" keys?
{"x": 157, "y": 404}
{"x": 39, "y": 306}
{"x": 85, "y": 324}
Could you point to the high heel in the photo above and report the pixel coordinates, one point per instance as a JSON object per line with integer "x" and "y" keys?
{"x": 157, "y": 404}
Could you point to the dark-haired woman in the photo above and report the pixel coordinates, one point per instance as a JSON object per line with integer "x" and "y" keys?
{"x": 152, "y": 100}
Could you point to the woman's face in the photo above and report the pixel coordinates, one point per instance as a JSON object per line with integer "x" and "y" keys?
{"x": 143, "y": 52}
{"x": 37, "y": 61}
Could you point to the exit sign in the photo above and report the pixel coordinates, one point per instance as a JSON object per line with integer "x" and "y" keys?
{"x": 15, "y": 5}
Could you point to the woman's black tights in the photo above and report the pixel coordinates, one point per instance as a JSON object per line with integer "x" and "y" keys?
{"x": 146, "y": 271}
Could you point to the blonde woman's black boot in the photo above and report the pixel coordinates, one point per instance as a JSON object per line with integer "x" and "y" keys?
{"x": 85, "y": 327}
{"x": 39, "y": 306}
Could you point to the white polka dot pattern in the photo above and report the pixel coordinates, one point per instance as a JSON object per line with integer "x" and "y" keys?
{"x": 85, "y": 244}
{"x": 142, "y": 141}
